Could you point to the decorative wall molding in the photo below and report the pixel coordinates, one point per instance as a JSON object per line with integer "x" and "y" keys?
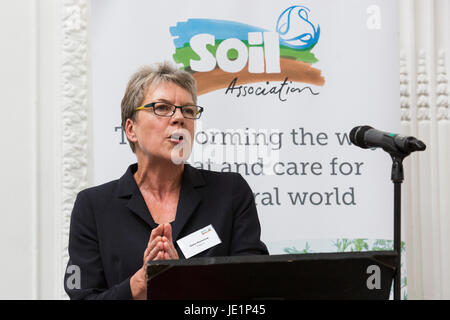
{"x": 423, "y": 94}
{"x": 405, "y": 104}
{"x": 74, "y": 110}
{"x": 442, "y": 101}
{"x": 424, "y": 47}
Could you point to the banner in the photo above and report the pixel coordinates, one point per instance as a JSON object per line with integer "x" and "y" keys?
{"x": 282, "y": 84}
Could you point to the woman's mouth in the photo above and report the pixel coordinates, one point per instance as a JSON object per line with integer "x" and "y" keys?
{"x": 176, "y": 138}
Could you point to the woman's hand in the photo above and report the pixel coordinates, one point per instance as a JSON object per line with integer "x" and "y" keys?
{"x": 160, "y": 247}
{"x": 170, "y": 253}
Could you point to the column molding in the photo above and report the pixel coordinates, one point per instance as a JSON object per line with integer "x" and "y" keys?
{"x": 64, "y": 132}
{"x": 75, "y": 106}
{"x": 424, "y": 47}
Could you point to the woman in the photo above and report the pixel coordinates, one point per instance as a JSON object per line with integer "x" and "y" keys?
{"x": 119, "y": 226}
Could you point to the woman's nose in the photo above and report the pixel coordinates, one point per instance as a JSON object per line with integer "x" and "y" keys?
{"x": 177, "y": 116}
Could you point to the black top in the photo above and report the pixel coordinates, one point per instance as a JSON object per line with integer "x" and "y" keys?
{"x": 111, "y": 225}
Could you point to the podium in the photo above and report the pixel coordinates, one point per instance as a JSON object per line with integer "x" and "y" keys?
{"x": 354, "y": 275}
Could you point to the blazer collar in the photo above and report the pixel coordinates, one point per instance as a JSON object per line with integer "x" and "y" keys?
{"x": 188, "y": 200}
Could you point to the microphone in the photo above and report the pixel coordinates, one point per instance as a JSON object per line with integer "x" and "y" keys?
{"x": 368, "y": 137}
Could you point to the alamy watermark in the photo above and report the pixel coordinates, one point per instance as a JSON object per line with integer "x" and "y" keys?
{"x": 73, "y": 281}
{"x": 374, "y": 280}
{"x": 258, "y": 147}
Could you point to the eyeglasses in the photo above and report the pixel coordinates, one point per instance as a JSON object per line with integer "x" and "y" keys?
{"x": 165, "y": 109}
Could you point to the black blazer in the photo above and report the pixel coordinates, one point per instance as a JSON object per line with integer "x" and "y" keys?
{"x": 111, "y": 225}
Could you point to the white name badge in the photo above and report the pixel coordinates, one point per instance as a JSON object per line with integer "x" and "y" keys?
{"x": 198, "y": 241}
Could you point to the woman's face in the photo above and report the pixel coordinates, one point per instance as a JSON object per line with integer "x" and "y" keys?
{"x": 157, "y": 136}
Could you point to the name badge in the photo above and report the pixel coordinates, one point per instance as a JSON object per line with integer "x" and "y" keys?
{"x": 198, "y": 241}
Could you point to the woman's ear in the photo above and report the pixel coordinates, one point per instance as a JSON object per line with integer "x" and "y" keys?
{"x": 130, "y": 130}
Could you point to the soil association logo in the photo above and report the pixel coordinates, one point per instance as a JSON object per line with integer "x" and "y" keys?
{"x": 228, "y": 54}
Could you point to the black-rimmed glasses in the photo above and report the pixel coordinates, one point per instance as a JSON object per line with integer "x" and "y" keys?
{"x": 165, "y": 109}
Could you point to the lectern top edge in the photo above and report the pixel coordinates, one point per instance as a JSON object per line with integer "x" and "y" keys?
{"x": 380, "y": 256}
{"x": 342, "y": 275}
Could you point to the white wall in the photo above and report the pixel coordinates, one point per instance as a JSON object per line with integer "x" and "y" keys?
{"x": 18, "y": 169}
{"x": 31, "y": 221}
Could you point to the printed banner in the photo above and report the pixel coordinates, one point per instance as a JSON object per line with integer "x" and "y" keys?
{"x": 282, "y": 84}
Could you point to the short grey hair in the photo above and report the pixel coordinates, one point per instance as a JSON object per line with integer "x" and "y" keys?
{"x": 148, "y": 76}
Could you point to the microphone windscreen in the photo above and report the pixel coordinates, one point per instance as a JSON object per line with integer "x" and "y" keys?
{"x": 416, "y": 145}
{"x": 353, "y": 134}
{"x": 357, "y": 136}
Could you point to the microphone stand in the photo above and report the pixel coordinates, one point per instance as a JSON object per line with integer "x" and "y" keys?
{"x": 399, "y": 148}
{"x": 397, "y": 177}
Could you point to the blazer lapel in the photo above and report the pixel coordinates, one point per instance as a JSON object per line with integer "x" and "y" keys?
{"x": 189, "y": 199}
{"x": 139, "y": 207}
{"x": 136, "y": 203}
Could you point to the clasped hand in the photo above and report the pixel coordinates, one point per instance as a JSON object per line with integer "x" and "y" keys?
{"x": 159, "y": 247}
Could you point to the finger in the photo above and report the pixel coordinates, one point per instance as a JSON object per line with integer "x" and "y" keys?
{"x": 160, "y": 256}
{"x": 169, "y": 248}
{"x": 151, "y": 247}
{"x": 163, "y": 229}
{"x": 146, "y": 253}
{"x": 158, "y": 231}
{"x": 154, "y": 242}
{"x": 168, "y": 231}
{"x": 158, "y": 247}
{"x": 154, "y": 254}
